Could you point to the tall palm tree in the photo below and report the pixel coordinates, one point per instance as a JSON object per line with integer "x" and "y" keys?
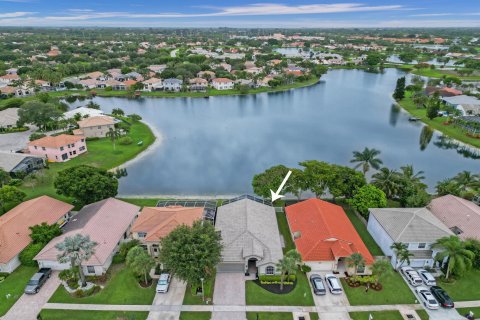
{"x": 381, "y": 268}
{"x": 288, "y": 264}
{"x": 404, "y": 256}
{"x": 75, "y": 250}
{"x": 366, "y": 159}
{"x": 409, "y": 173}
{"x": 113, "y": 134}
{"x": 387, "y": 181}
{"x": 466, "y": 180}
{"x": 398, "y": 248}
{"x": 459, "y": 259}
{"x": 355, "y": 261}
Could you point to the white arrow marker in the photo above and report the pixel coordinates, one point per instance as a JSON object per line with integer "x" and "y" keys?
{"x": 277, "y": 195}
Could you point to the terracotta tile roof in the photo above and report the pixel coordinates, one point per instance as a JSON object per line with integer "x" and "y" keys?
{"x": 130, "y": 82}
{"x": 457, "y": 214}
{"x": 55, "y": 141}
{"x": 95, "y": 121}
{"x": 95, "y": 74}
{"x": 14, "y": 232}
{"x": 224, "y": 80}
{"x": 159, "y": 222}
{"x": 104, "y": 221}
{"x": 325, "y": 232}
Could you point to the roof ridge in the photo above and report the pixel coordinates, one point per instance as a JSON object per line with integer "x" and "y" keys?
{"x": 414, "y": 214}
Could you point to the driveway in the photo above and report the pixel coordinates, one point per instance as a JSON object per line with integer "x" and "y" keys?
{"x": 331, "y": 306}
{"x": 229, "y": 290}
{"x": 174, "y": 297}
{"x": 28, "y": 306}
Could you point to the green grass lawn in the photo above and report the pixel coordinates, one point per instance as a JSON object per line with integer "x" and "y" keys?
{"x": 269, "y": 316}
{"x": 423, "y": 314}
{"x": 377, "y": 315}
{"x": 122, "y": 288}
{"x": 190, "y": 298}
{"x": 300, "y": 296}
{"x": 14, "y": 285}
{"x": 52, "y": 314}
{"x": 437, "y": 123}
{"x": 285, "y": 231}
{"x": 439, "y": 73}
{"x": 314, "y": 316}
{"x": 395, "y": 291}
{"x": 361, "y": 228}
{"x": 465, "y": 288}
{"x": 141, "y": 202}
{"x": 464, "y": 311}
{"x": 191, "y": 315}
{"x": 100, "y": 154}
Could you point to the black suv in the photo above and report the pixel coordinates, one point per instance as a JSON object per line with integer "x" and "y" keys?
{"x": 442, "y": 297}
{"x": 38, "y": 280}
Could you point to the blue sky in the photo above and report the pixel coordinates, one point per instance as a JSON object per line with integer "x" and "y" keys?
{"x": 227, "y": 13}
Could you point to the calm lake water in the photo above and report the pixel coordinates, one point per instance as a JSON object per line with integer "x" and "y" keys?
{"x": 215, "y": 146}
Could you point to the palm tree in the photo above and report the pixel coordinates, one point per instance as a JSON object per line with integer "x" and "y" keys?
{"x": 75, "y": 250}
{"x": 398, "y": 247}
{"x": 381, "y": 268}
{"x": 459, "y": 259}
{"x": 409, "y": 173}
{"x": 288, "y": 264}
{"x": 366, "y": 159}
{"x": 387, "y": 181}
{"x": 355, "y": 261}
{"x": 113, "y": 134}
{"x": 405, "y": 257}
{"x": 467, "y": 180}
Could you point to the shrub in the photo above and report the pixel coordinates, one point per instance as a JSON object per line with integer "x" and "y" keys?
{"x": 134, "y": 117}
{"x": 73, "y": 284}
{"x": 36, "y": 135}
{"x": 92, "y": 138}
{"x": 125, "y": 141}
{"x": 81, "y": 293}
{"x": 126, "y": 246}
{"x": 108, "y": 89}
{"x": 68, "y": 274}
{"x": 27, "y": 255}
{"x": 15, "y": 182}
{"x": 118, "y": 258}
{"x": 305, "y": 268}
{"x": 276, "y": 279}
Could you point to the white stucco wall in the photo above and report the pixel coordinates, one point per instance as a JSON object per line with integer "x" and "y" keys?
{"x": 11, "y": 265}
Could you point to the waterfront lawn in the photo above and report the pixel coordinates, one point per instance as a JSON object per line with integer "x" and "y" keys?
{"x": 377, "y": 315}
{"x": 464, "y": 311}
{"x": 423, "y": 314}
{"x": 439, "y": 73}
{"x": 395, "y": 291}
{"x": 141, "y": 202}
{"x": 300, "y": 296}
{"x": 372, "y": 246}
{"x": 437, "y": 123}
{"x": 285, "y": 231}
{"x": 464, "y": 288}
{"x": 190, "y": 298}
{"x": 100, "y": 154}
{"x": 13, "y": 285}
{"x": 53, "y": 314}
{"x": 269, "y": 316}
{"x": 121, "y": 288}
{"x": 191, "y": 315}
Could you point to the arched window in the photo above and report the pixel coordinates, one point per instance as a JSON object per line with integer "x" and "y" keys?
{"x": 270, "y": 270}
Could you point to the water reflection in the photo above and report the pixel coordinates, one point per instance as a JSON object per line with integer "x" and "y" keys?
{"x": 446, "y": 143}
{"x": 425, "y": 137}
{"x": 395, "y": 112}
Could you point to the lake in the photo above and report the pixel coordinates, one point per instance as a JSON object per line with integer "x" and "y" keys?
{"x": 215, "y": 146}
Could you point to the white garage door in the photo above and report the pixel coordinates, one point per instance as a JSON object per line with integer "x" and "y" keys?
{"x": 230, "y": 267}
{"x": 418, "y": 263}
{"x": 54, "y": 265}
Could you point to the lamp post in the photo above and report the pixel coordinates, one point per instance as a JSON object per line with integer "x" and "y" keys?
{"x": 203, "y": 293}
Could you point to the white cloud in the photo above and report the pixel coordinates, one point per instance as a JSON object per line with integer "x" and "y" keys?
{"x": 15, "y": 14}
{"x": 445, "y": 14}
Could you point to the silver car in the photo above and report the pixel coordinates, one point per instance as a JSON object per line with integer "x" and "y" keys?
{"x": 427, "y": 277}
{"x": 427, "y": 298}
{"x": 333, "y": 284}
{"x": 163, "y": 283}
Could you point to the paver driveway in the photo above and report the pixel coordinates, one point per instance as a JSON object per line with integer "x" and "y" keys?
{"x": 174, "y": 297}
{"x": 229, "y": 290}
{"x": 332, "y": 306}
{"x": 28, "y": 306}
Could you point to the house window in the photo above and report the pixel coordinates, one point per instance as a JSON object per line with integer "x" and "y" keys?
{"x": 73, "y": 145}
{"x": 83, "y": 140}
{"x": 36, "y": 148}
{"x": 81, "y": 148}
{"x": 43, "y": 148}
{"x": 361, "y": 269}
{"x": 90, "y": 269}
{"x": 70, "y": 152}
{"x": 270, "y": 270}
{"x": 422, "y": 245}
{"x": 61, "y": 148}
{"x": 99, "y": 127}
{"x": 142, "y": 234}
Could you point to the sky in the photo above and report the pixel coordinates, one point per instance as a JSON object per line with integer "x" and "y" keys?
{"x": 234, "y": 13}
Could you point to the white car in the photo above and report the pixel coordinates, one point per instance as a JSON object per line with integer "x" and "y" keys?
{"x": 427, "y": 298}
{"x": 333, "y": 284}
{"x": 427, "y": 277}
{"x": 412, "y": 276}
{"x": 163, "y": 283}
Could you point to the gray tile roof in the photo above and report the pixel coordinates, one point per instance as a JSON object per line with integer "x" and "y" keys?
{"x": 9, "y": 160}
{"x": 249, "y": 228}
{"x": 410, "y": 224}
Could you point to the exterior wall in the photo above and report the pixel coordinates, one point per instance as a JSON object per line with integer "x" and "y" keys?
{"x": 11, "y": 265}
{"x": 55, "y": 155}
{"x": 318, "y": 266}
{"x": 53, "y": 264}
{"x": 381, "y": 238}
{"x": 96, "y": 131}
{"x": 222, "y": 85}
{"x": 262, "y": 269}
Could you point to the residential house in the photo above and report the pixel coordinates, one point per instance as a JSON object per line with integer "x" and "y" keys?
{"x": 59, "y": 148}
{"x": 222, "y": 83}
{"x": 325, "y": 237}
{"x": 153, "y": 84}
{"x": 198, "y": 84}
{"x": 9, "y": 78}
{"x": 97, "y": 75}
{"x": 467, "y": 105}
{"x": 418, "y": 228}
{"x": 116, "y": 85}
{"x": 172, "y": 84}
{"x": 206, "y": 74}
{"x": 97, "y": 126}
{"x": 84, "y": 112}
{"x": 9, "y": 118}
{"x": 157, "y": 68}
{"x": 226, "y": 66}
{"x": 155, "y": 223}
{"x": 129, "y": 83}
{"x": 89, "y": 83}
{"x": 250, "y": 236}
{"x": 8, "y": 91}
{"x": 19, "y": 164}
{"x": 443, "y": 92}
{"x": 14, "y": 226}
{"x": 106, "y": 222}
{"x": 461, "y": 216}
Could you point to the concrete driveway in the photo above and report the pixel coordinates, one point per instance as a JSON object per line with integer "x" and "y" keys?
{"x": 174, "y": 297}
{"x": 28, "y": 306}
{"x": 229, "y": 290}
{"x": 331, "y": 306}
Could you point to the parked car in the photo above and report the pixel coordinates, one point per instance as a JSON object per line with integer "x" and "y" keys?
{"x": 427, "y": 277}
{"x": 406, "y": 269}
{"x": 427, "y": 298}
{"x": 333, "y": 284}
{"x": 163, "y": 283}
{"x": 442, "y": 297}
{"x": 317, "y": 284}
{"x": 412, "y": 276}
{"x": 38, "y": 280}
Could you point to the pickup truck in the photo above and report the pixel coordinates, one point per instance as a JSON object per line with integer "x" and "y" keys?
{"x": 38, "y": 280}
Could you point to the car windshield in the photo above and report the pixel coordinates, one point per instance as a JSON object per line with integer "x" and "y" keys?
{"x": 162, "y": 282}
{"x": 318, "y": 283}
{"x": 432, "y": 301}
